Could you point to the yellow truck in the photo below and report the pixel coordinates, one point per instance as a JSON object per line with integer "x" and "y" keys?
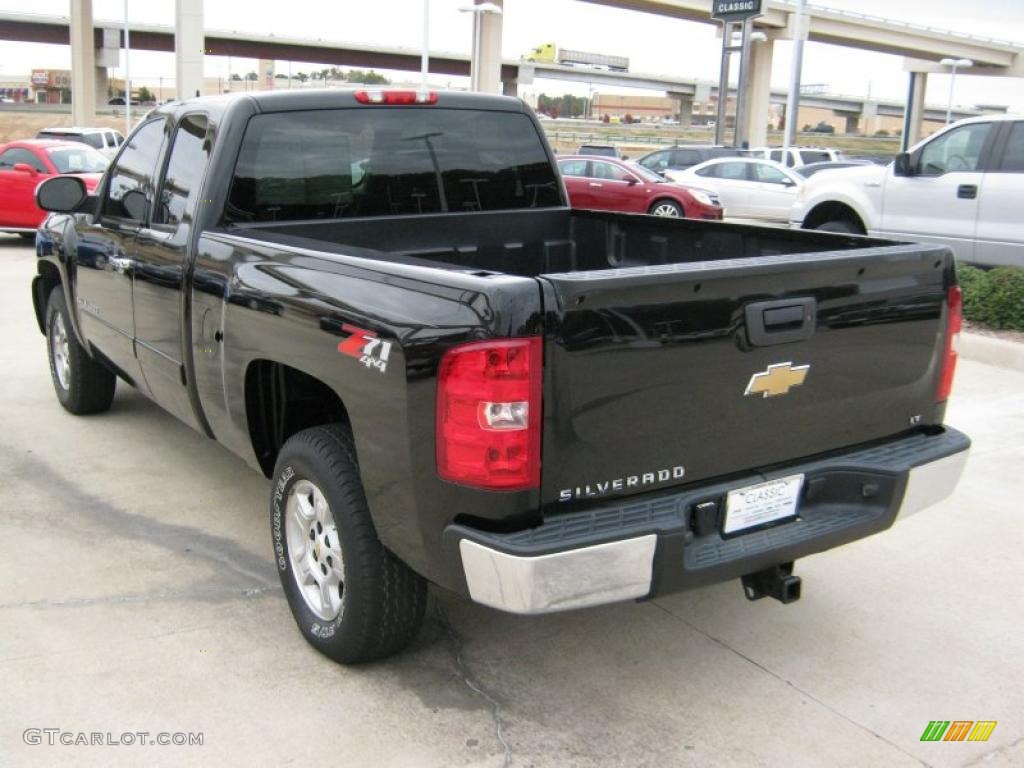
{"x": 549, "y": 53}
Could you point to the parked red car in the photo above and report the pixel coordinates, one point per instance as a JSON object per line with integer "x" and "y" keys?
{"x": 606, "y": 184}
{"x": 24, "y": 165}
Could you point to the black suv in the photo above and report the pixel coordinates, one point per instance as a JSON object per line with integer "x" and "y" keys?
{"x": 681, "y": 158}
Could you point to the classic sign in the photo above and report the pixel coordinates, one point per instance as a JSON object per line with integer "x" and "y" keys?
{"x": 730, "y": 10}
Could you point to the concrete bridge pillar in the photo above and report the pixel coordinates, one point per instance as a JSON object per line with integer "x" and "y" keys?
{"x": 487, "y": 32}
{"x": 189, "y": 48}
{"x": 685, "y": 112}
{"x": 913, "y": 117}
{"x": 83, "y": 64}
{"x": 756, "y": 97}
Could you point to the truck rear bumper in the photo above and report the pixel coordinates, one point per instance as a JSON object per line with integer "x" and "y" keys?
{"x": 643, "y": 548}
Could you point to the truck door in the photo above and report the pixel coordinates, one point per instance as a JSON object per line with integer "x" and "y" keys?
{"x": 939, "y": 203}
{"x": 161, "y": 257}
{"x": 104, "y": 252}
{"x": 1000, "y": 226}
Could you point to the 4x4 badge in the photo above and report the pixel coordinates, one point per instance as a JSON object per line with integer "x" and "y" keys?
{"x": 777, "y": 380}
{"x": 365, "y": 347}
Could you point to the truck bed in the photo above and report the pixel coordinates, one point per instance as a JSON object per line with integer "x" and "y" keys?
{"x": 537, "y": 242}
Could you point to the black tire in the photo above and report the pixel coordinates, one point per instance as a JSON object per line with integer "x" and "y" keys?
{"x": 31, "y": 236}
{"x": 667, "y": 204}
{"x": 382, "y": 600}
{"x": 841, "y": 226}
{"x": 87, "y": 386}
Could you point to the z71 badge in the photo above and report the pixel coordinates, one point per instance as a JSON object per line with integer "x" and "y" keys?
{"x": 365, "y": 347}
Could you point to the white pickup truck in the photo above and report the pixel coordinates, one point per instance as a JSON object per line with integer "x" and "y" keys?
{"x": 961, "y": 187}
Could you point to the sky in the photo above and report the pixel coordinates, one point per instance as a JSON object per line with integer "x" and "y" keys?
{"x": 654, "y": 44}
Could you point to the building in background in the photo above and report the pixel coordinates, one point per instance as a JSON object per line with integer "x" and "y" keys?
{"x": 51, "y": 86}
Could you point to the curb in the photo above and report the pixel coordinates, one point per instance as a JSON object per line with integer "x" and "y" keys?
{"x": 991, "y": 351}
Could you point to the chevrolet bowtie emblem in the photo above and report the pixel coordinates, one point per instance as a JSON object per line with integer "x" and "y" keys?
{"x": 777, "y": 380}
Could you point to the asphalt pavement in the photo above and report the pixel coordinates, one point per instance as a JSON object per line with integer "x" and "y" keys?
{"x": 138, "y": 595}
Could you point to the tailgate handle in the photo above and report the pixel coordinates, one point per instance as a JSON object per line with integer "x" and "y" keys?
{"x": 780, "y": 322}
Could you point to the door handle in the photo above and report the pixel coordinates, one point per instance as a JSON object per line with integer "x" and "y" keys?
{"x": 967, "y": 191}
{"x": 594, "y": 184}
{"x": 780, "y": 322}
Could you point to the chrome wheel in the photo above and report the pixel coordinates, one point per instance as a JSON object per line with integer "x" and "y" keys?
{"x": 665, "y": 209}
{"x": 314, "y": 550}
{"x": 60, "y": 351}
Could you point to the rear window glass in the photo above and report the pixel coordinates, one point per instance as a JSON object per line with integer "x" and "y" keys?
{"x": 814, "y": 157}
{"x": 388, "y": 162}
{"x": 94, "y": 140}
{"x": 84, "y": 160}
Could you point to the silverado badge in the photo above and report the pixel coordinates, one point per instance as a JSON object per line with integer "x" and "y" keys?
{"x": 777, "y": 380}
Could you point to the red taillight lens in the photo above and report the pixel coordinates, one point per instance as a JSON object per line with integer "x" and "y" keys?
{"x": 488, "y": 414}
{"x": 954, "y": 324}
{"x": 395, "y": 97}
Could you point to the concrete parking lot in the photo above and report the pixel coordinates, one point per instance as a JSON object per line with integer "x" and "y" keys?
{"x": 139, "y": 595}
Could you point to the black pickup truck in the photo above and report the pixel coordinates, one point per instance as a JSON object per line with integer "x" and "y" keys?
{"x": 381, "y": 300}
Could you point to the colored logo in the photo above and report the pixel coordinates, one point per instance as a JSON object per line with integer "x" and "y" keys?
{"x": 777, "y": 380}
{"x": 958, "y": 730}
{"x": 365, "y": 347}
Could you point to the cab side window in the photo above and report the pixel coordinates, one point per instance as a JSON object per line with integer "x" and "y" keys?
{"x": 657, "y": 162}
{"x": 608, "y": 172}
{"x": 958, "y": 150}
{"x": 189, "y": 153}
{"x": 130, "y": 192}
{"x": 1013, "y": 156}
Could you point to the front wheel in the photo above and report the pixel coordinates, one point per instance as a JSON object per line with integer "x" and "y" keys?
{"x": 82, "y": 385}
{"x": 840, "y": 226}
{"x": 667, "y": 208}
{"x": 353, "y": 600}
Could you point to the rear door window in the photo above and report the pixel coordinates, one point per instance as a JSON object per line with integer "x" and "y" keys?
{"x": 1013, "y": 156}
{"x": 393, "y": 161}
{"x": 574, "y": 168}
{"x": 684, "y": 158}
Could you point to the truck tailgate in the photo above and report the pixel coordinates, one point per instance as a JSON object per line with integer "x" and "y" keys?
{"x": 667, "y": 375}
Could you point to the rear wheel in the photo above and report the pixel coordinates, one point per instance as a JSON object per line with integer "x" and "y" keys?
{"x": 667, "y": 208}
{"x": 353, "y": 600}
{"x": 82, "y": 385}
{"x": 31, "y": 236}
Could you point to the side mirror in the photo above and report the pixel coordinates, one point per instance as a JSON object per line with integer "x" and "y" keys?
{"x": 902, "y": 166}
{"x": 25, "y": 168}
{"x": 61, "y": 194}
{"x": 632, "y": 181}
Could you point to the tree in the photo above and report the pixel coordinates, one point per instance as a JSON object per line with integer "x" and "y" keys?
{"x": 302, "y": 77}
{"x": 145, "y": 94}
{"x": 252, "y": 76}
{"x": 235, "y": 76}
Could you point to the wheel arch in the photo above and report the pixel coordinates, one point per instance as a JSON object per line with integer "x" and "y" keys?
{"x": 281, "y": 400}
{"x": 834, "y": 210}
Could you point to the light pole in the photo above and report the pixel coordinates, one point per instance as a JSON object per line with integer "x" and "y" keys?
{"x": 795, "y": 76}
{"x": 954, "y": 64}
{"x": 127, "y": 76}
{"x": 474, "y": 59}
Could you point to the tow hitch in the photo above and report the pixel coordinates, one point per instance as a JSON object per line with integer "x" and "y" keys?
{"x": 778, "y": 582}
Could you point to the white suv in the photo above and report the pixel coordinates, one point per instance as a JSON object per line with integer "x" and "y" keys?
{"x": 106, "y": 140}
{"x": 795, "y": 157}
{"x": 962, "y": 187}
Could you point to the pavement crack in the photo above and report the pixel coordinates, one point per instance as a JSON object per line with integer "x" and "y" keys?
{"x": 989, "y": 755}
{"x": 469, "y": 680}
{"x": 145, "y": 597}
{"x": 791, "y": 684}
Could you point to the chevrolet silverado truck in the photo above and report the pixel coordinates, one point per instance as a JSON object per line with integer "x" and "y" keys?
{"x": 382, "y": 301}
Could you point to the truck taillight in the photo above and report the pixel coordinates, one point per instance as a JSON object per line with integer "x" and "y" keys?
{"x": 954, "y": 323}
{"x": 488, "y": 414}
{"x": 392, "y": 98}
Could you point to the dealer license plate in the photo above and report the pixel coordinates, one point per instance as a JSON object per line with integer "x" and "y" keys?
{"x": 758, "y": 505}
